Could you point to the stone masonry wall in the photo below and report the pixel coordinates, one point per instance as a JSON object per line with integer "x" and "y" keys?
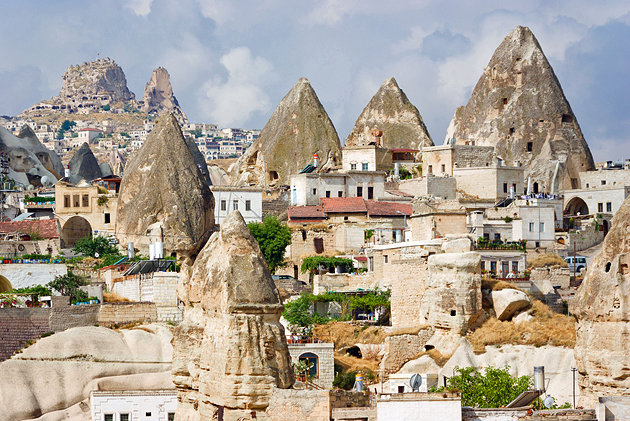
{"x": 62, "y": 318}
{"x": 291, "y": 405}
{"x": 518, "y": 414}
{"x": 403, "y": 348}
{"x": 407, "y": 289}
{"x": 125, "y": 313}
{"x": 20, "y": 325}
{"x": 326, "y": 354}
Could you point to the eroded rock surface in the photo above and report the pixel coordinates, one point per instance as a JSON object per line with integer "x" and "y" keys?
{"x": 230, "y": 350}
{"x": 25, "y": 165}
{"x": 602, "y": 308}
{"x": 298, "y": 128}
{"x": 98, "y": 77}
{"x": 84, "y": 165}
{"x": 158, "y": 95}
{"x": 163, "y": 190}
{"x": 508, "y": 302}
{"x": 391, "y": 111}
{"x": 49, "y": 159}
{"x": 518, "y": 107}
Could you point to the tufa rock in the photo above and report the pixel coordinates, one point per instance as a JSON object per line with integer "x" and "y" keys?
{"x": 518, "y": 105}
{"x": 25, "y": 166}
{"x": 158, "y": 96}
{"x": 49, "y": 159}
{"x": 602, "y": 309}
{"x": 84, "y": 165}
{"x": 102, "y": 77}
{"x": 508, "y": 302}
{"x": 200, "y": 161}
{"x": 298, "y": 128}
{"x": 389, "y": 110}
{"x": 163, "y": 191}
{"x": 116, "y": 162}
{"x": 230, "y": 350}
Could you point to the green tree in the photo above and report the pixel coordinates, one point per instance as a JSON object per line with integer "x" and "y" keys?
{"x": 106, "y": 107}
{"x": 67, "y": 125}
{"x": 493, "y": 388}
{"x": 273, "y": 238}
{"x": 68, "y": 285}
{"x": 91, "y": 246}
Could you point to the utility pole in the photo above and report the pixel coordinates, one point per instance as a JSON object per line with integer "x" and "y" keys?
{"x": 574, "y": 370}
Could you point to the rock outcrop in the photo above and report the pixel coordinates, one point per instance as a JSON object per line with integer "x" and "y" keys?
{"x": 518, "y": 107}
{"x": 102, "y": 77}
{"x": 602, "y": 308}
{"x": 56, "y": 374}
{"x": 25, "y": 166}
{"x": 508, "y": 302}
{"x": 158, "y": 96}
{"x": 84, "y": 165}
{"x": 49, "y": 159}
{"x": 162, "y": 190}
{"x": 390, "y": 111}
{"x": 116, "y": 162}
{"x": 298, "y": 128}
{"x": 230, "y": 351}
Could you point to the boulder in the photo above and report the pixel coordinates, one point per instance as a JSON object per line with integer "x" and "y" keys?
{"x": 158, "y": 96}
{"x": 230, "y": 350}
{"x": 602, "y": 308}
{"x": 84, "y": 165}
{"x": 390, "y": 111}
{"x": 459, "y": 245}
{"x": 508, "y": 302}
{"x": 25, "y": 166}
{"x": 298, "y": 128}
{"x": 518, "y": 107}
{"x": 523, "y": 317}
{"x": 163, "y": 191}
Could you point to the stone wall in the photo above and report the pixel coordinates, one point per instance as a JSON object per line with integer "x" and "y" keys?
{"x": 62, "y": 318}
{"x": 557, "y": 276}
{"x": 407, "y": 280}
{"x": 404, "y": 348}
{"x": 159, "y": 288}
{"x": 20, "y": 325}
{"x": 125, "y": 313}
{"x": 291, "y": 405}
{"x": 519, "y": 414}
{"x": 10, "y": 248}
{"x": 326, "y": 360}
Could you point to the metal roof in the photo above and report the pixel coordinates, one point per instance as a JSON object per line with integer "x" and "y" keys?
{"x": 149, "y": 266}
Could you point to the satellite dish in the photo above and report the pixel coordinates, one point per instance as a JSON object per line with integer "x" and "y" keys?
{"x": 45, "y": 180}
{"x": 415, "y": 381}
{"x": 30, "y": 187}
{"x": 549, "y": 401}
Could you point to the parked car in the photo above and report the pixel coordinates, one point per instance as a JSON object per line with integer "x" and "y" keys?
{"x": 576, "y": 263}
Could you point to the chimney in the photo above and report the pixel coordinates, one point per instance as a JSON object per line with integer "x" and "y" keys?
{"x": 315, "y": 160}
{"x": 66, "y": 172}
{"x": 378, "y": 134}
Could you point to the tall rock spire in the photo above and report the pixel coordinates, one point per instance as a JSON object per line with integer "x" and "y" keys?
{"x": 158, "y": 96}
{"x": 298, "y": 128}
{"x": 84, "y": 165}
{"x": 390, "y": 111}
{"x": 518, "y": 107}
{"x": 164, "y": 196}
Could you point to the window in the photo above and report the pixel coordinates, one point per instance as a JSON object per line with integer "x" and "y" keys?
{"x": 109, "y": 417}
{"x": 486, "y": 236}
{"x": 504, "y": 187}
{"x": 497, "y": 237}
{"x": 443, "y": 168}
{"x": 170, "y": 416}
{"x": 587, "y": 186}
{"x": 515, "y": 266}
{"x": 364, "y": 166}
{"x": 600, "y": 207}
{"x": 234, "y": 204}
{"x": 370, "y": 192}
{"x": 124, "y": 417}
{"x": 453, "y": 313}
{"x": 223, "y": 205}
{"x": 327, "y": 193}
{"x": 303, "y": 235}
{"x": 318, "y": 243}
{"x": 353, "y": 166}
{"x": 483, "y": 265}
{"x": 339, "y": 194}
{"x": 107, "y": 218}
{"x": 493, "y": 267}
{"x": 370, "y": 264}
{"x": 147, "y": 414}
{"x": 66, "y": 200}
{"x": 401, "y": 389}
{"x": 537, "y": 244}
{"x": 75, "y": 200}
{"x": 608, "y": 207}
{"x": 385, "y": 257}
{"x": 359, "y": 191}
{"x": 430, "y": 169}
{"x": 86, "y": 201}
{"x": 248, "y": 205}
{"x": 530, "y": 146}
{"x": 531, "y": 227}
{"x": 313, "y": 362}
{"x": 394, "y": 236}
{"x": 603, "y": 182}
{"x": 541, "y": 227}
{"x": 314, "y": 191}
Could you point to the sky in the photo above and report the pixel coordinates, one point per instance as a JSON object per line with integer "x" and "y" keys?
{"x": 232, "y": 61}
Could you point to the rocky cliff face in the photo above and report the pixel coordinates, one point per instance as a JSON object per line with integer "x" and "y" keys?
{"x": 602, "y": 308}
{"x": 389, "y": 110}
{"x": 230, "y": 351}
{"x": 84, "y": 165}
{"x": 298, "y": 128}
{"x": 163, "y": 193}
{"x": 98, "y": 77}
{"x": 49, "y": 159}
{"x": 158, "y": 95}
{"x": 25, "y": 165}
{"x": 518, "y": 107}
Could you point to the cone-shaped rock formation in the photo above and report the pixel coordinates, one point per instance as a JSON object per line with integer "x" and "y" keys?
{"x": 25, "y": 166}
{"x": 84, "y": 165}
{"x": 230, "y": 350}
{"x": 158, "y": 95}
{"x": 298, "y": 128}
{"x": 164, "y": 194}
{"x": 390, "y": 111}
{"x": 602, "y": 308}
{"x": 49, "y": 159}
{"x": 518, "y": 107}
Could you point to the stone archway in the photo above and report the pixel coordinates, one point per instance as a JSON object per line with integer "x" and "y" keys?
{"x": 576, "y": 205}
{"x": 5, "y": 285}
{"x": 75, "y": 229}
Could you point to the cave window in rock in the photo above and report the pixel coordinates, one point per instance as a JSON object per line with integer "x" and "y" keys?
{"x": 5, "y": 285}
{"x": 313, "y": 362}
{"x": 566, "y": 118}
{"x": 354, "y": 351}
{"x": 608, "y": 267}
{"x": 530, "y": 146}
{"x": 536, "y": 187}
{"x": 512, "y": 130}
{"x": 252, "y": 159}
{"x": 428, "y": 347}
{"x": 505, "y": 101}
{"x": 273, "y": 175}
{"x": 453, "y": 312}
{"x": 75, "y": 229}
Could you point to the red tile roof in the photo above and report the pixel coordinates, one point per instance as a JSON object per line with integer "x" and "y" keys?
{"x": 405, "y": 150}
{"x": 360, "y": 258}
{"x": 306, "y": 212}
{"x": 46, "y": 228}
{"x": 375, "y": 208}
{"x": 343, "y": 204}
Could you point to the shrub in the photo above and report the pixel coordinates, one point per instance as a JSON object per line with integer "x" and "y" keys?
{"x": 345, "y": 380}
{"x": 68, "y": 285}
{"x": 273, "y": 237}
{"x": 91, "y": 246}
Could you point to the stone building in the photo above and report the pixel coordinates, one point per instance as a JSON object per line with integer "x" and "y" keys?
{"x": 246, "y": 200}
{"x": 309, "y": 188}
{"x": 321, "y": 356}
{"x": 434, "y": 218}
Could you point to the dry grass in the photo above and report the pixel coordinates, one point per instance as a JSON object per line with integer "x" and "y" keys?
{"x": 344, "y": 334}
{"x": 546, "y": 328}
{"x": 407, "y": 330}
{"x": 539, "y": 260}
{"x": 497, "y": 285}
{"x": 112, "y": 297}
{"x": 350, "y": 363}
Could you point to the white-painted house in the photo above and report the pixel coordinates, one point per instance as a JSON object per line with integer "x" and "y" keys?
{"x": 128, "y": 405}
{"x": 247, "y": 200}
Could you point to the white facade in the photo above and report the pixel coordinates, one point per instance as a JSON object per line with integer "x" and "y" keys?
{"x": 247, "y": 200}
{"x": 399, "y": 383}
{"x": 307, "y": 189}
{"x": 88, "y": 134}
{"x": 597, "y": 200}
{"x": 492, "y": 182}
{"x": 134, "y": 405}
{"x": 418, "y": 406}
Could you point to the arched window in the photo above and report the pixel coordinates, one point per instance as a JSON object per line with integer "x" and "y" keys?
{"x": 313, "y": 361}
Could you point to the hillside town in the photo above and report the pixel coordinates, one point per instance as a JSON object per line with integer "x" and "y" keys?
{"x": 157, "y": 269}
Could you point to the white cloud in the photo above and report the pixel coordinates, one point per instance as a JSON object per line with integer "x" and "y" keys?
{"x": 231, "y": 102}
{"x": 331, "y": 12}
{"x": 218, "y": 10}
{"x": 139, "y": 7}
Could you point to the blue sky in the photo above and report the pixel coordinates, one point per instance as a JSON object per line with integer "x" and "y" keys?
{"x": 231, "y": 62}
